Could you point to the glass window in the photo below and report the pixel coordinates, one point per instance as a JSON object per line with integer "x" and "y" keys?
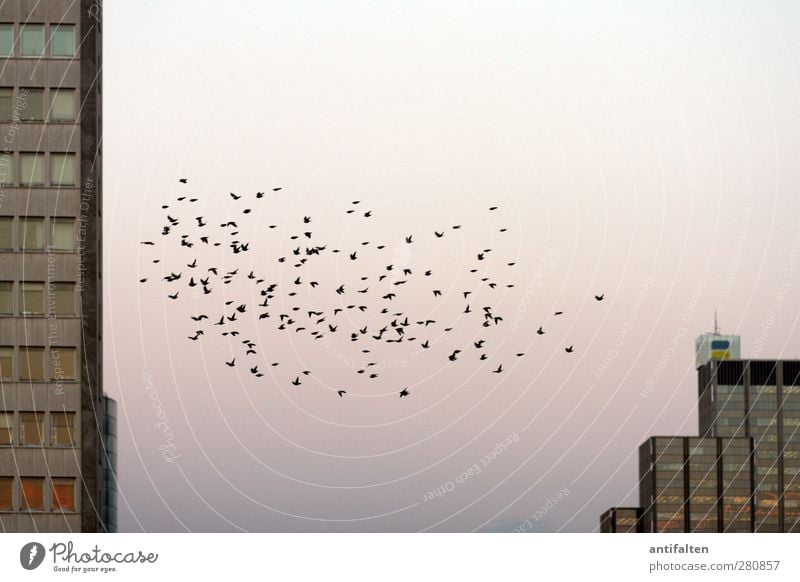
{"x": 6, "y": 40}
{"x": 6, "y": 103}
{"x": 6, "y": 363}
{"x": 32, "y": 233}
{"x": 32, "y": 497}
{"x": 6, "y": 497}
{"x": 31, "y": 363}
{"x": 62, "y": 363}
{"x": 62, "y": 433}
{"x": 32, "y": 298}
{"x": 6, "y": 298}
{"x": 6, "y": 235}
{"x": 63, "y": 40}
{"x": 6, "y": 169}
{"x": 63, "y": 299}
{"x": 63, "y": 235}
{"x": 63, "y": 494}
{"x": 62, "y": 169}
{"x": 32, "y": 40}
{"x": 62, "y": 105}
{"x": 31, "y": 169}
{"x": 6, "y": 424}
{"x": 32, "y": 104}
{"x": 31, "y": 428}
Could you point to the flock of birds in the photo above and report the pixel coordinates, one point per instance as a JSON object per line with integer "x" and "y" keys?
{"x": 379, "y": 290}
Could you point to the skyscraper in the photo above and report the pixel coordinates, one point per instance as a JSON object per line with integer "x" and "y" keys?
{"x": 741, "y": 473}
{"x": 52, "y": 460}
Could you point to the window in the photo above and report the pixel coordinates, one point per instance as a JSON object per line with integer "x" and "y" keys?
{"x": 6, "y": 40}
{"x": 63, "y": 44}
{"x": 32, "y": 497}
{"x": 32, "y": 40}
{"x": 6, "y": 363}
{"x": 62, "y": 105}
{"x": 32, "y": 234}
{"x": 63, "y": 494}
{"x": 31, "y": 428}
{"x": 32, "y": 298}
{"x": 63, "y": 235}
{"x": 62, "y": 169}
{"x": 6, "y": 490}
{"x": 6, "y": 425}
{"x": 31, "y": 363}
{"x": 6, "y": 238}
{"x": 62, "y": 363}
{"x": 63, "y": 298}
{"x": 31, "y": 169}
{"x": 62, "y": 433}
{"x": 6, "y": 298}
{"x": 6, "y": 103}
{"x": 6, "y": 169}
{"x": 31, "y": 104}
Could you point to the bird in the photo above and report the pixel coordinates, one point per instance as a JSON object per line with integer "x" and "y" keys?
{"x": 438, "y": 234}
{"x": 183, "y": 180}
{"x": 404, "y": 392}
{"x": 559, "y": 313}
{"x": 297, "y": 381}
{"x": 499, "y": 369}
{"x": 341, "y": 393}
{"x": 409, "y": 239}
{"x": 232, "y": 363}
{"x": 437, "y": 293}
{"x": 569, "y": 349}
{"x": 600, "y": 297}
{"x": 200, "y": 317}
{"x": 540, "y": 331}
{"x": 175, "y": 296}
{"x": 454, "y": 356}
{"x": 234, "y": 196}
{"x": 148, "y": 243}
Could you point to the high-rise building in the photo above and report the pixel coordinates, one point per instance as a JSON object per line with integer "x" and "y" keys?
{"x": 696, "y": 484}
{"x": 621, "y": 520}
{"x": 52, "y": 459}
{"x": 741, "y": 473}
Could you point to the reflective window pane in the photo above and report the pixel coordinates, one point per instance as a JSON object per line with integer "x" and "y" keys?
{"x": 62, "y": 105}
{"x": 31, "y": 169}
{"x": 32, "y": 233}
{"x": 31, "y": 364}
{"x": 6, "y": 40}
{"x": 6, "y": 297}
{"x": 32, "y": 497}
{"x": 62, "y": 169}
{"x": 63, "y": 40}
{"x": 32, "y": 40}
{"x": 63, "y": 235}
{"x": 31, "y": 428}
{"x": 32, "y": 298}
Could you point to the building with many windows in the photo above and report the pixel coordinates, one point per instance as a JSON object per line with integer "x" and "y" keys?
{"x": 52, "y": 459}
{"x": 741, "y": 473}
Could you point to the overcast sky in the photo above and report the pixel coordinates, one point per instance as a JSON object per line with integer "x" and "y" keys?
{"x": 645, "y": 150}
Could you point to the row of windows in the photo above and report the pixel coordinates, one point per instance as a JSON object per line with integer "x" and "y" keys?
{"x": 32, "y": 494}
{"x": 33, "y": 235}
{"x": 31, "y": 169}
{"x": 32, "y": 429}
{"x": 38, "y": 298}
{"x": 31, "y": 104}
{"x": 31, "y": 364}
{"x": 29, "y": 40}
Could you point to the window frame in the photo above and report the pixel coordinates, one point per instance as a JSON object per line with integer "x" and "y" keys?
{"x": 21, "y": 36}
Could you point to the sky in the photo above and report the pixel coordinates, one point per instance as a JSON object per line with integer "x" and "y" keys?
{"x": 644, "y": 150}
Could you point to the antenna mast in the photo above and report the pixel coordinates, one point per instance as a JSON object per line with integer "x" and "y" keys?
{"x": 716, "y": 324}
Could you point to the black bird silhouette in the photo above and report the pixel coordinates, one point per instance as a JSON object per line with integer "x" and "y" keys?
{"x": 409, "y": 239}
{"x": 234, "y": 196}
{"x": 438, "y": 234}
{"x": 499, "y": 369}
{"x": 232, "y": 363}
{"x": 404, "y": 392}
{"x": 479, "y": 344}
{"x": 540, "y": 331}
{"x": 341, "y": 393}
{"x": 183, "y": 180}
{"x": 426, "y": 344}
{"x": 454, "y": 356}
{"x": 600, "y": 297}
{"x": 559, "y": 313}
{"x": 368, "y": 213}
{"x": 174, "y": 296}
{"x": 353, "y": 256}
{"x": 297, "y": 381}
{"x": 569, "y": 349}
{"x": 148, "y": 243}
{"x": 437, "y": 293}
{"x": 143, "y": 280}
{"x": 200, "y": 317}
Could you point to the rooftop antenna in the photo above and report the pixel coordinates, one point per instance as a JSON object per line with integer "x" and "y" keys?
{"x": 716, "y": 324}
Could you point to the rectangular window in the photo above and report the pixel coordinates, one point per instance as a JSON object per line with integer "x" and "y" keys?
{"x": 63, "y": 235}
{"x": 62, "y": 105}
{"x": 6, "y": 40}
{"x": 62, "y": 169}
{"x": 32, "y": 298}
{"x": 32, "y": 234}
{"x": 63, "y": 494}
{"x": 6, "y": 234}
{"x": 31, "y": 169}
{"x": 6, "y": 103}
{"x": 32, "y": 104}
{"x": 32, "y": 40}
{"x": 31, "y": 428}
{"x": 62, "y": 363}
{"x": 6, "y": 169}
{"x": 32, "y": 497}
{"x": 63, "y": 44}
{"x": 63, "y": 299}
{"x": 62, "y": 429}
{"x": 6, "y": 493}
{"x": 6, "y": 363}
{"x": 6, "y": 426}
{"x": 6, "y": 298}
{"x": 31, "y": 364}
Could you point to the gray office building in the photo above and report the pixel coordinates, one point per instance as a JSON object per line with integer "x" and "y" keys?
{"x": 53, "y": 464}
